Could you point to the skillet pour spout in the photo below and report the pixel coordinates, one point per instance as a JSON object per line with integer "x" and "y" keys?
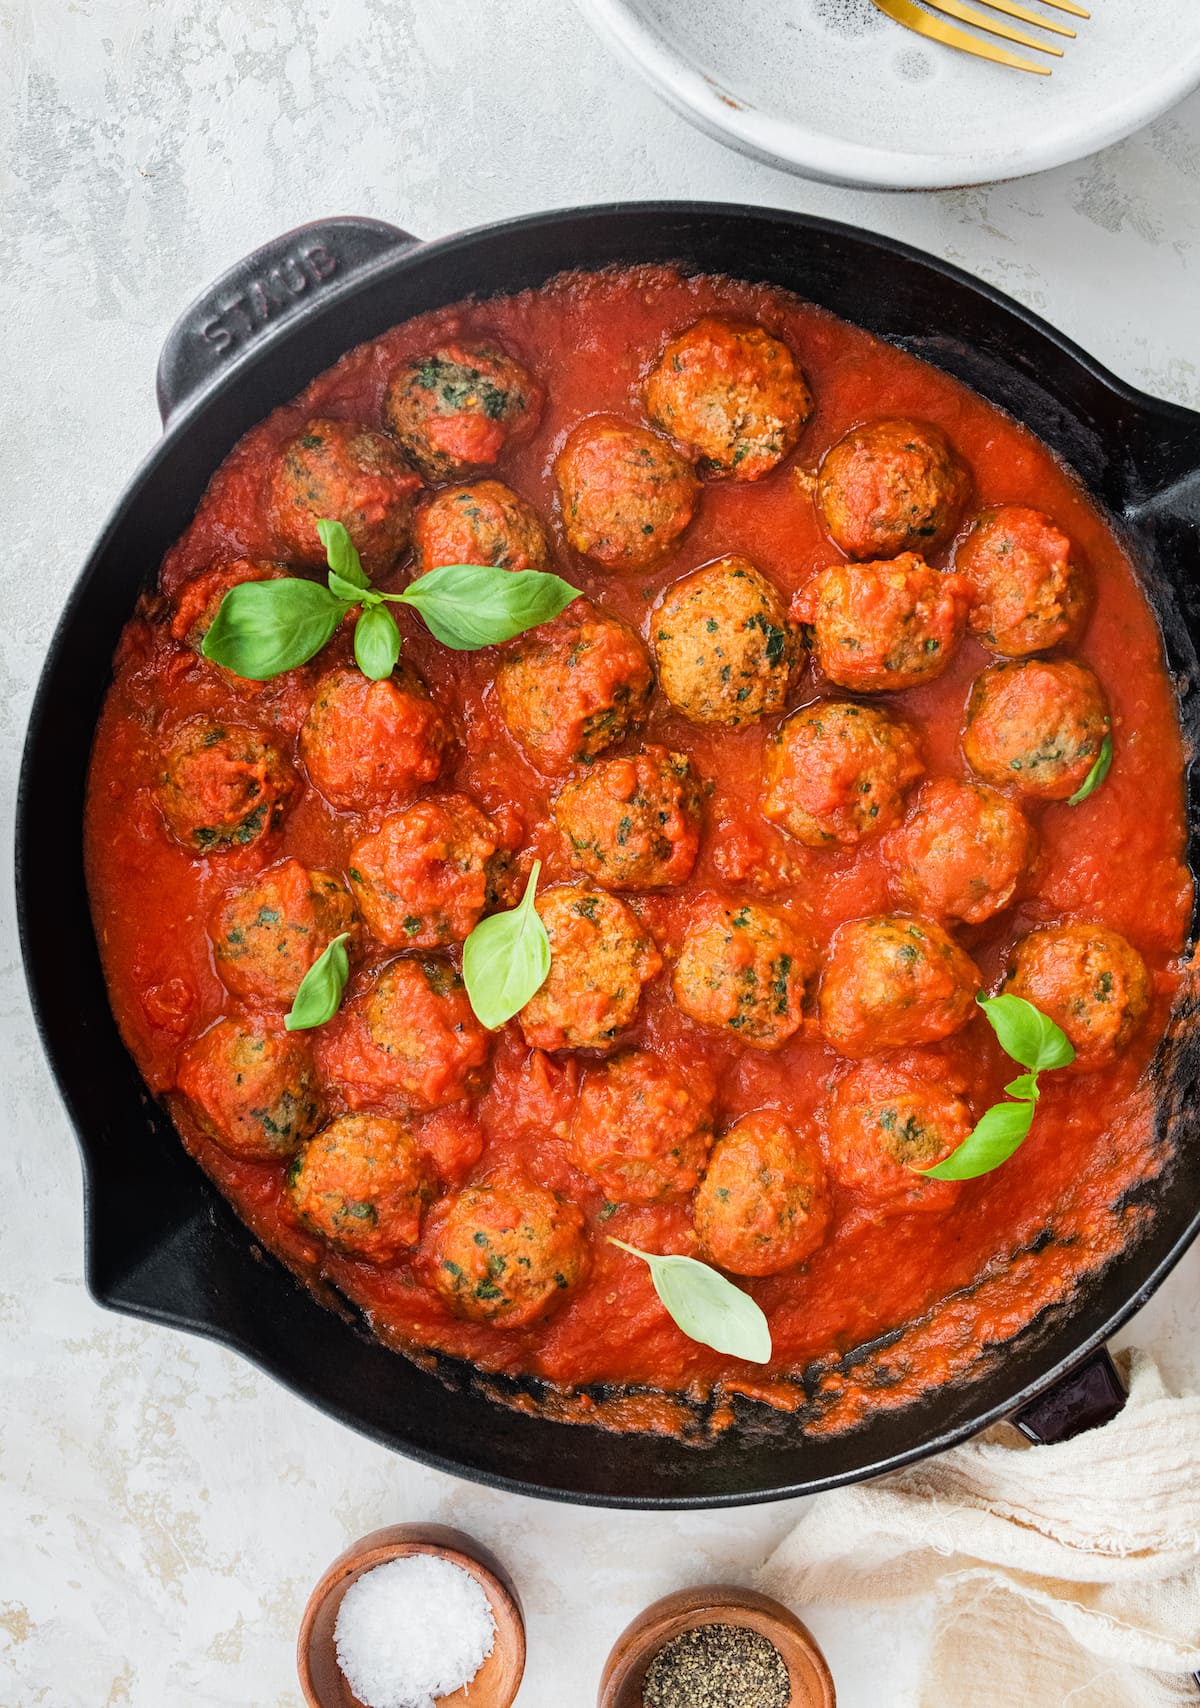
{"x": 162, "y": 1244}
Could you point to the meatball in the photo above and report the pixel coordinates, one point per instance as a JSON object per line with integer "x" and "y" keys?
{"x": 199, "y": 599}
{"x": 1028, "y": 593}
{"x": 601, "y": 956}
{"x": 626, "y": 494}
{"x": 252, "y": 1089}
{"x": 744, "y": 969}
{"x": 634, "y": 823}
{"x": 731, "y": 395}
{"x": 837, "y": 773}
{"x": 428, "y": 873}
{"x": 726, "y": 651}
{"x": 504, "y": 1254}
{"x": 892, "y": 486}
{"x": 483, "y": 523}
{"x": 642, "y": 1130}
{"x": 892, "y": 981}
{"x": 455, "y": 409}
{"x": 963, "y": 852}
{"x": 362, "y": 1184}
{"x": 1089, "y": 980}
{"x": 888, "y": 625}
{"x": 1036, "y": 726}
{"x": 764, "y": 1204}
{"x": 267, "y": 936}
{"x": 574, "y": 686}
{"x": 222, "y": 786}
{"x": 369, "y": 744}
{"x": 350, "y": 474}
{"x": 884, "y": 1123}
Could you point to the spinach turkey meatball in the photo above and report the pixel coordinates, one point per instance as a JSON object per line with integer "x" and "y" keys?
{"x": 884, "y": 626}
{"x": 1029, "y": 595}
{"x": 362, "y": 1184}
{"x": 963, "y": 852}
{"x": 837, "y": 773}
{"x": 504, "y": 1253}
{"x": 409, "y": 1041}
{"x": 884, "y": 1123}
{"x": 744, "y": 969}
{"x": 892, "y": 486}
{"x": 572, "y": 687}
{"x": 352, "y": 475}
{"x": 253, "y": 1089}
{"x": 641, "y": 1129}
{"x": 429, "y": 873}
{"x": 893, "y": 981}
{"x": 1037, "y": 726}
{"x": 634, "y": 823}
{"x": 1089, "y": 980}
{"x": 764, "y": 1204}
{"x": 266, "y": 937}
{"x": 725, "y": 649}
{"x": 731, "y": 395}
{"x": 222, "y": 786}
{"x": 601, "y": 956}
{"x": 371, "y": 744}
{"x": 626, "y": 493}
{"x": 483, "y": 523}
{"x": 455, "y": 409}
{"x": 199, "y": 600}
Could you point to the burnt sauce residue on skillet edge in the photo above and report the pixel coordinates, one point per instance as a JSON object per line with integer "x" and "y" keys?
{"x": 888, "y": 1307}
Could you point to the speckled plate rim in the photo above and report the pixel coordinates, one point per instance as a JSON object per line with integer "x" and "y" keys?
{"x": 837, "y": 160}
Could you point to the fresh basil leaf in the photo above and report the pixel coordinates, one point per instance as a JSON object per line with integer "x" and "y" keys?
{"x": 506, "y": 959}
{"x": 376, "y": 642}
{"x": 706, "y": 1306}
{"x": 469, "y": 605}
{"x": 1096, "y": 775}
{"x": 263, "y": 628}
{"x": 320, "y": 993}
{"x": 350, "y": 593}
{"x": 1026, "y": 1034}
{"x": 341, "y": 553}
{"x": 999, "y": 1131}
{"x": 1025, "y": 1085}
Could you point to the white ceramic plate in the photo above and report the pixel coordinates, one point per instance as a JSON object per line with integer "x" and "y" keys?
{"x": 833, "y": 89}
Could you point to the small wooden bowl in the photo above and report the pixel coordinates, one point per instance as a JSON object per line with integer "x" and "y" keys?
{"x": 715, "y": 1604}
{"x": 498, "y": 1679}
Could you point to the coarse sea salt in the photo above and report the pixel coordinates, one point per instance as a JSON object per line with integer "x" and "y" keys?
{"x": 411, "y": 1631}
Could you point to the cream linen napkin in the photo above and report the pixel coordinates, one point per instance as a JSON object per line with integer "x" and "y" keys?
{"x": 1063, "y": 1575}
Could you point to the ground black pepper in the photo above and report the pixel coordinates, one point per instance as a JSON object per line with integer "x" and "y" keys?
{"x": 717, "y": 1666}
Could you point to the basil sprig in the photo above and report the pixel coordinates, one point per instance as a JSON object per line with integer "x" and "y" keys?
{"x": 320, "y": 994}
{"x": 263, "y": 628}
{"x": 1032, "y": 1039}
{"x": 1096, "y": 775}
{"x": 506, "y": 959}
{"x": 706, "y": 1306}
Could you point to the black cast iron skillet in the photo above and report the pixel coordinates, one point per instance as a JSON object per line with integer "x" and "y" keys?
{"x": 161, "y": 1242}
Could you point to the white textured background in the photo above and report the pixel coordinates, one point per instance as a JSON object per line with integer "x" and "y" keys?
{"x": 163, "y": 1509}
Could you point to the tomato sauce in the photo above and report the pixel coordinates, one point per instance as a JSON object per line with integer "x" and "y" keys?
{"x": 1016, "y": 1240}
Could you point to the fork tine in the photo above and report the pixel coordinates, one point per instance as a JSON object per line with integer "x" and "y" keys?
{"x": 923, "y": 23}
{"x": 985, "y": 21}
{"x": 1012, "y": 10}
{"x": 1068, "y": 6}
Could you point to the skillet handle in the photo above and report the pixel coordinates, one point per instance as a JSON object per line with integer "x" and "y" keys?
{"x": 275, "y": 284}
{"x": 1089, "y": 1395}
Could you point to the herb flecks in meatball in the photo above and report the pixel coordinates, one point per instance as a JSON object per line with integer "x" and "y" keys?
{"x": 892, "y": 486}
{"x": 371, "y": 744}
{"x": 266, "y": 936}
{"x": 222, "y": 787}
{"x": 1036, "y": 726}
{"x": 744, "y": 969}
{"x": 1090, "y": 981}
{"x": 352, "y": 475}
{"x": 455, "y": 409}
{"x": 964, "y": 851}
{"x": 634, "y": 823}
{"x": 626, "y": 493}
{"x": 884, "y": 626}
{"x": 429, "y": 873}
{"x": 731, "y": 395}
{"x": 836, "y": 774}
{"x": 1029, "y": 594}
{"x": 362, "y": 1184}
{"x": 885, "y": 1123}
{"x": 892, "y": 981}
{"x": 601, "y": 956}
{"x": 483, "y": 523}
{"x": 764, "y": 1204}
{"x": 508, "y": 1254}
{"x": 726, "y": 651}
{"x": 642, "y": 1129}
{"x": 252, "y": 1088}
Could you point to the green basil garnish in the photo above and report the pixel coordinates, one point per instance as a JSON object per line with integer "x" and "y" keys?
{"x": 1031, "y": 1038}
{"x": 706, "y": 1306}
{"x": 506, "y": 959}
{"x": 341, "y": 554}
{"x": 266, "y": 627}
{"x": 1096, "y": 775}
{"x": 376, "y": 642}
{"x": 469, "y": 605}
{"x": 320, "y": 993}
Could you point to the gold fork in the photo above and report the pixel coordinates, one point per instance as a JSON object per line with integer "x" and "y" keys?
{"x": 925, "y": 23}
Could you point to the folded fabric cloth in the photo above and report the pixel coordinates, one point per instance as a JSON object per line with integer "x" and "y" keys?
{"x": 1065, "y": 1574}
